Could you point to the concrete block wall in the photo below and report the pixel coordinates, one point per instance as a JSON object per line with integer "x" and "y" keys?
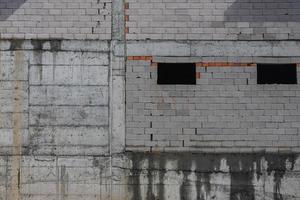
{"x": 226, "y": 110}
{"x": 213, "y": 20}
{"x": 225, "y": 137}
{"x": 62, "y": 100}
{"x": 76, "y": 19}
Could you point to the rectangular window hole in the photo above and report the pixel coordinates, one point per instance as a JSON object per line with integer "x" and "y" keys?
{"x": 176, "y": 73}
{"x": 276, "y": 74}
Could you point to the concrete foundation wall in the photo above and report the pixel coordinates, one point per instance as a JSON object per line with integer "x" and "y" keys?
{"x": 54, "y": 119}
{"x": 213, "y": 176}
{"x": 55, "y": 97}
{"x": 153, "y": 176}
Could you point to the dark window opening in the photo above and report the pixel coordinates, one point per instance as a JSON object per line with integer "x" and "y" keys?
{"x": 276, "y": 74}
{"x": 176, "y": 73}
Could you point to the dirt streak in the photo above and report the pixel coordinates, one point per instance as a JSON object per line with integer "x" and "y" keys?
{"x": 17, "y": 118}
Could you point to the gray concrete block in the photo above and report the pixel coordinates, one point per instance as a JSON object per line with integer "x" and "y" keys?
{"x": 68, "y": 116}
{"x": 79, "y": 140}
{"x": 69, "y": 95}
{"x": 68, "y": 75}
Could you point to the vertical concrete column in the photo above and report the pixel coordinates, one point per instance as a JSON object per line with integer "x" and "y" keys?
{"x": 117, "y": 100}
{"x": 117, "y": 79}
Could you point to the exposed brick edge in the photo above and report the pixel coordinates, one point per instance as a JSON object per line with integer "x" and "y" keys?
{"x": 145, "y": 58}
{"x": 200, "y": 64}
{"x": 126, "y": 30}
{"x": 224, "y": 64}
{"x": 126, "y": 5}
{"x": 126, "y": 17}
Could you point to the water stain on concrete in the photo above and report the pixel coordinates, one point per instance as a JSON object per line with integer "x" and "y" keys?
{"x": 162, "y": 172}
{"x": 241, "y": 174}
{"x": 64, "y": 182}
{"x": 38, "y": 49}
{"x": 55, "y": 47}
{"x": 185, "y": 186}
{"x": 38, "y": 55}
{"x": 150, "y": 171}
{"x": 16, "y": 45}
{"x": 243, "y": 169}
{"x": 134, "y": 179}
{"x": 277, "y": 164}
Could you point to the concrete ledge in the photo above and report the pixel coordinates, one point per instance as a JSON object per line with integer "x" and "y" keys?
{"x": 214, "y": 48}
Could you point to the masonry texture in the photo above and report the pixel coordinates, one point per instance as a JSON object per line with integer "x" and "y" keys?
{"x": 213, "y": 20}
{"x": 54, "y": 101}
{"x": 76, "y": 19}
{"x": 226, "y": 109}
{"x": 82, "y": 115}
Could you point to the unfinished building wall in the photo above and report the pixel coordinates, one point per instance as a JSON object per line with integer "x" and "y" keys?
{"x": 62, "y": 122}
{"x": 215, "y": 134}
{"x": 225, "y": 113}
{"x": 213, "y": 20}
{"x": 226, "y": 110}
{"x": 62, "y": 98}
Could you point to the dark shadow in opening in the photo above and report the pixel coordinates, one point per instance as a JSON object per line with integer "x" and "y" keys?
{"x": 263, "y": 11}
{"x": 8, "y": 7}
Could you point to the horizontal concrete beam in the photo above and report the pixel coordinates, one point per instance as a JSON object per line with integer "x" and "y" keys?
{"x": 55, "y": 45}
{"x": 214, "y": 48}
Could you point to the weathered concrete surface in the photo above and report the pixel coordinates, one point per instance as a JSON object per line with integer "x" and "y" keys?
{"x": 62, "y": 101}
{"x": 215, "y": 49}
{"x": 62, "y": 135}
{"x": 151, "y": 176}
{"x": 50, "y": 177}
{"x": 54, "y": 119}
{"x": 211, "y": 176}
{"x": 117, "y": 79}
{"x": 51, "y": 91}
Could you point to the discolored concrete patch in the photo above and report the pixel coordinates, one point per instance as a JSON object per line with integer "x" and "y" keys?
{"x": 208, "y": 176}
